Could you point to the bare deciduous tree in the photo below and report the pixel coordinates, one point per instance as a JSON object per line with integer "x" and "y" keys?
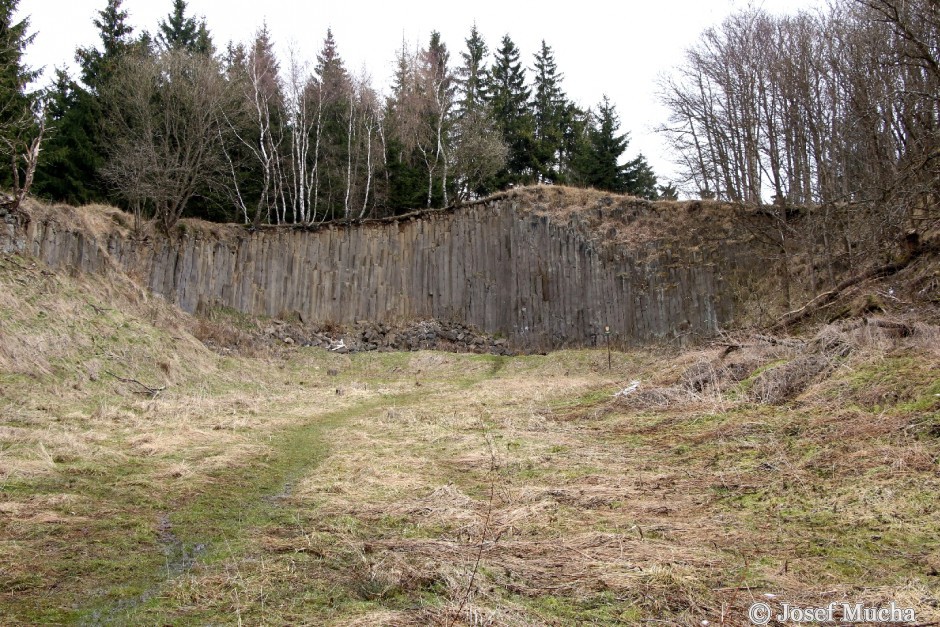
{"x": 478, "y": 153}
{"x": 168, "y": 124}
{"x": 255, "y": 126}
{"x": 21, "y": 140}
{"x": 836, "y": 111}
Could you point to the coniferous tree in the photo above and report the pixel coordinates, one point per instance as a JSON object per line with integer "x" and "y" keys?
{"x": 419, "y": 116}
{"x": 574, "y": 124}
{"x": 77, "y": 145}
{"x": 145, "y": 44}
{"x": 18, "y": 121}
{"x": 436, "y": 89}
{"x": 97, "y": 64}
{"x": 508, "y": 98}
{"x": 407, "y": 184}
{"x": 478, "y": 151}
{"x": 549, "y": 109}
{"x": 472, "y": 76}
{"x": 68, "y": 166}
{"x": 597, "y": 163}
{"x": 639, "y": 179}
{"x": 15, "y": 102}
{"x": 333, "y": 94}
{"x": 667, "y": 192}
{"x": 178, "y": 32}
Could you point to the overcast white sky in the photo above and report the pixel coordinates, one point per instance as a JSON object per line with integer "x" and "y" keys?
{"x": 617, "y": 48}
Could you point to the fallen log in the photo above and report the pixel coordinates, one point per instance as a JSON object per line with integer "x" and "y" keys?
{"x": 797, "y": 315}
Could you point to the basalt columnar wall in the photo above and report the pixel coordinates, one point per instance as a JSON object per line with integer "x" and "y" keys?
{"x": 543, "y": 280}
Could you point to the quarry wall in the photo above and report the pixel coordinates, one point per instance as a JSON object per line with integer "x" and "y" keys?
{"x": 542, "y": 280}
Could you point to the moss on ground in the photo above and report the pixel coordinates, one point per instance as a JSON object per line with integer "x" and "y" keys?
{"x": 420, "y": 488}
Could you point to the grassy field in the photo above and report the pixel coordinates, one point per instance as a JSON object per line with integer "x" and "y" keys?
{"x": 145, "y": 479}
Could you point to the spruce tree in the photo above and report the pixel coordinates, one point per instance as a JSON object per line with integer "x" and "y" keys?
{"x": 77, "y": 146}
{"x": 333, "y": 94}
{"x": 478, "y": 151}
{"x": 597, "y": 160}
{"x": 404, "y": 177}
{"x": 97, "y": 64}
{"x": 419, "y": 123}
{"x": 436, "y": 97}
{"x": 266, "y": 70}
{"x": 14, "y": 75}
{"x": 667, "y": 192}
{"x": 508, "y": 99}
{"x": 17, "y": 120}
{"x": 330, "y": 69}
{"x": 639, "y": 179}
{"x": 549, "y": 108}
{"x": 606, "y": 147}
{"x": 69, "y": 163}
{"x": 472, "y": 76}
{"x": 407, "y": 180}
{"x": 597, "y": 163}
{"x": 178, "y": 32}
{"x": 574, "y": 124}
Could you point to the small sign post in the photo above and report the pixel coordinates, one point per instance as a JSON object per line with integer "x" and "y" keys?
{"x": 607, "y": 334}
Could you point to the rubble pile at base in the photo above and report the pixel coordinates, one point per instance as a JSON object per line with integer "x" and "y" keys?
{"x": 377, "y": 336}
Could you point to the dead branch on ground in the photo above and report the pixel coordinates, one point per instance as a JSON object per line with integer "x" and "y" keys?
{"x": 153, "y": 392}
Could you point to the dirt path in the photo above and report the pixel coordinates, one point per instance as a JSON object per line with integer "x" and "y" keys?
{"x": 214, "y": 522}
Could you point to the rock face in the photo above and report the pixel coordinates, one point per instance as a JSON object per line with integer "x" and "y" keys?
{"x": 539, "y": 280}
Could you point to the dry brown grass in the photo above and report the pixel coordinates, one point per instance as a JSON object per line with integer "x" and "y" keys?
{"x": 577, "y": 515}
{"x": 625, "y": 221}
{"x": 685, "y": 500}
{"x": 94, "y": 219}
{"x": 77, "y": 443}
{"x": 105, "y": 220}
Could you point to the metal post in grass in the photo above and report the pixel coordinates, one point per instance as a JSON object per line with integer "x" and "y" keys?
{"x": 607, "y": 334}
